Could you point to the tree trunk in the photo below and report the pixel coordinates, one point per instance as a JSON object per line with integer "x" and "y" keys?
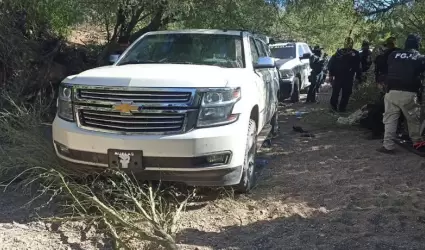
{"x": 155, "y": 24}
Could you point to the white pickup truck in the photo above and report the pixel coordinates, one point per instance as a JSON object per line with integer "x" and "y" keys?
{"x": 186, "y": 106}
{"x": 292, "y": 60}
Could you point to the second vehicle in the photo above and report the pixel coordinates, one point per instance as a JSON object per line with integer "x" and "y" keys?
{"x": 292, "y": 60}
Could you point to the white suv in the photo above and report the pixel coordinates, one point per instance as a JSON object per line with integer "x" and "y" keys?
{"x": 292, "y": 60}
{"x": 186, "y": 106}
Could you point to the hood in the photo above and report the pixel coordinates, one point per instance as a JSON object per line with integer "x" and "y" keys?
{"x": 157, "y": 75}
{"x": 285, "y": 63}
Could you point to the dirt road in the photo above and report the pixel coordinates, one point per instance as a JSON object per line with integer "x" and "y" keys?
{"x": 332, "y": 191}
{"x": 329, "y": 192}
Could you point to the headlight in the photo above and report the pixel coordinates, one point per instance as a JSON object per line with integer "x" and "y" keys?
{"x": 286, "y": 73}
{"x": 64, "y": 104}
{"x": 217, "y": 106}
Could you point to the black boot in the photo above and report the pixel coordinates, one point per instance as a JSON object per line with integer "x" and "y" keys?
{"x": 385, "y": 151}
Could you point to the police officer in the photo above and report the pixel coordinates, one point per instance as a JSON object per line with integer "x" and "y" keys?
{"x": 381, "y": 66}
{"x": 365, "y": 57}
{"x": 403, "y": 83}
{"x": 325, "y": 71}
{"x": 316, "y": 76}
{"x": 343, "y": 66}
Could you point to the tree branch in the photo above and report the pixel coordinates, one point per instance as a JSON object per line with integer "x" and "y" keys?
{"x": 385, "y": 7}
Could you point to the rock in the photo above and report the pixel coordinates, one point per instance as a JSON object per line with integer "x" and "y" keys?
{"x": 21, "y": 226}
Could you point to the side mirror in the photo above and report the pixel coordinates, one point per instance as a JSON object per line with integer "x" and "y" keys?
{"x": 114, "y": 58}
{"x": 265, "y": 63}
{"x": 305, "y": 56}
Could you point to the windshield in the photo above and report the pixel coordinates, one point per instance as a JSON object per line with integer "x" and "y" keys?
{"x": 283, "y": 52}
{"x": 186, "y": 48}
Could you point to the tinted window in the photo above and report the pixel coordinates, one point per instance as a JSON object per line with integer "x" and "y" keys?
{"x": 185, "y": 48}
{"x": 254, "y": 51}
{"x": 283, "y": 51}
{"x": 261, "y": 48}
{"x": 266, "y": 48}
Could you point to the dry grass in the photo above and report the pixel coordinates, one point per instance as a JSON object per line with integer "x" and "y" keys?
{"x": 322, "y": 118}
{"x": 366, "y": 93}
{"x": 129, "y": 212}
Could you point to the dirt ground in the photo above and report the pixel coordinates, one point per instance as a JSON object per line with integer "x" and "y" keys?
{"x": 332, "y": 191}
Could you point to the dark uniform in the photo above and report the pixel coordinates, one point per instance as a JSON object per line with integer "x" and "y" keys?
{"x": 316, "y": 75}
{"x": 381, "y": 61}
{"x": 343, "y": 66}
{"x": 365, "y": 57}
{"x": 403, "y": 83}
{"x": 325, "y": 71}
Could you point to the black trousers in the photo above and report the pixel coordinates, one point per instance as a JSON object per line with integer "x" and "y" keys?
{"x": 322, "y": 81}
{"x": 373, "y": 120}
{"x": 316, "y": 80}
{"x": 345, "y": 86}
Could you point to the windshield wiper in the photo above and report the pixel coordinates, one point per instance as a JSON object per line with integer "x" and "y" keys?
{"x": 138, "y": 62}
{"x": 182, "y": 62}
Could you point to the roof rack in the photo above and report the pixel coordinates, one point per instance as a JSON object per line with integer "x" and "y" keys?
{"x": 241, "y": 30}
{"x": 284, "y": 41}
{"x": 261, "y": 36}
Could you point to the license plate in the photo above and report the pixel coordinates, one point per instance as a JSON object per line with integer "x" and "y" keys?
{"x": 125, "y": 159}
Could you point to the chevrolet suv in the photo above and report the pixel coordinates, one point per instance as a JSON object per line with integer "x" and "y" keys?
{"x": 190, "y": 106}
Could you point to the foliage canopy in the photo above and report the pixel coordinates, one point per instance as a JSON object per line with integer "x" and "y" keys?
{"x": 324, "y": 22}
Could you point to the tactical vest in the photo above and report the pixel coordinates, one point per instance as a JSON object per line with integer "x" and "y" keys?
{"x": 404, "y": 71}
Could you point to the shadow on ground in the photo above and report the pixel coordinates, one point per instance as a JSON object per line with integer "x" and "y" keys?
{"x": 332, "y": 191}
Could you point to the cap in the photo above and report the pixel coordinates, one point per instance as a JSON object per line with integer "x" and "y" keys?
{"x": 413, "y": 41}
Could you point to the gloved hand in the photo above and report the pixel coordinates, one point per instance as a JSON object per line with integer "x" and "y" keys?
{"x": 331, "y": 80}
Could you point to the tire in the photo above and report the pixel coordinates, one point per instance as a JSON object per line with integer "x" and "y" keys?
{"x": 275, "y": 124}
{"x": 249, "y": 175}
{"x": 284, "y": 92}
{"x": 295, "y": 96}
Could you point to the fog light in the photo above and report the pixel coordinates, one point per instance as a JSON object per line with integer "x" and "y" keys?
{"x": 218, "y": 158}
{"x": 63, "y": 150}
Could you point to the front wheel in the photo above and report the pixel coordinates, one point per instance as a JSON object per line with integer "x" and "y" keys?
{"x": 275, "y": 124}
{"x": 295, "y": 97}
{"x": 249, "y": 175}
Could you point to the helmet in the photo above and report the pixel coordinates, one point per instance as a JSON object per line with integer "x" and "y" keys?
{"x": 413, "y": 41}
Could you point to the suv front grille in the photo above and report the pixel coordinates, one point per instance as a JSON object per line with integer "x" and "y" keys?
{"x": 142, "y": 96}
{"x": 162, "y": 110}
{"x": 136, "y": 123}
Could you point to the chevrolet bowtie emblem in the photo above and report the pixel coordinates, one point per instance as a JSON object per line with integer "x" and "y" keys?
{"x": 126, "y": 108}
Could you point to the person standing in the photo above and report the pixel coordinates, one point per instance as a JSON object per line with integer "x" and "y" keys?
{"x": 381, "y": 61}
{"x": 316, "y": 75}
{"x": 343, "y": 66}
{"x": 365, "y": 57}
{"x": 325, "y": 71}
{"x": 403, "y": 85}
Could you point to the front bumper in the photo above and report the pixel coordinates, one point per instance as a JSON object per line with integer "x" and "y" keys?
{"x": 165, "y": 157}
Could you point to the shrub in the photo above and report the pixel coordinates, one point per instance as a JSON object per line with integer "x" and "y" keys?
{"x": 123, "y": 208}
